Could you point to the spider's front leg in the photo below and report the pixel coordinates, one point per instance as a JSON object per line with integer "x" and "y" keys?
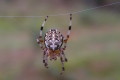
{"x": 40, "y": 41}
{"x": 63, "y": 55}
{"x": 63, "y": 59}
{"x": 45, "y": 58}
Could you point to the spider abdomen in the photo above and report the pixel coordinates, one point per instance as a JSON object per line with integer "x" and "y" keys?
{"x": 53, "y": 39}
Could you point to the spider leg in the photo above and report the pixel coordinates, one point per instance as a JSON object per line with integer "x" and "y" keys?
{"x": 45, "y": 58}
{"x": 63, "y": 55}
{"x": 68, "y": 33}
{"x": 39, "y": 39}
{"x": 40, "y": 42}
{"x": 62, "y": 61}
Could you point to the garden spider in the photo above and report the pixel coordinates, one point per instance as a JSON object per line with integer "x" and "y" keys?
{"x": 52, "y": 44}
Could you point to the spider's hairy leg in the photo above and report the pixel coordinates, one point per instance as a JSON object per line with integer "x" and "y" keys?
{"x": 68, "y": 33}
{"x": 41, "y": 29}
{"x": 64, "y": 57}
{"x": 45, "y": 58}
{"x": 40, "y": 42}
{"x": 39, "y": 39}
{"x": 62, "y": 61}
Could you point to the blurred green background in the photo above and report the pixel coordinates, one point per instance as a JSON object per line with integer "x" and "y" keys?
{"x": 93, "y": 50}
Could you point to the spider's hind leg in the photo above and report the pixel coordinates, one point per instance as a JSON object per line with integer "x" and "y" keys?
{"x": 68, "y": 33}
{"x": 40, "y": 42}
{"x": 39, "y": 39}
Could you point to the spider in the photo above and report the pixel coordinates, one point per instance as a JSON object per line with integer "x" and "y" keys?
{"x": 52, "y": 45}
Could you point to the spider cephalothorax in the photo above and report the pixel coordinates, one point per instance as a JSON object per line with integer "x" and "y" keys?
{"x": 52, "y": 45}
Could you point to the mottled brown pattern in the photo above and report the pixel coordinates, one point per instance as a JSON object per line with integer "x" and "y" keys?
{"x": 52, "y": 45}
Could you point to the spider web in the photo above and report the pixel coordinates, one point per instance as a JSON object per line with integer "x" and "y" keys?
{"x": 80, "y": 11}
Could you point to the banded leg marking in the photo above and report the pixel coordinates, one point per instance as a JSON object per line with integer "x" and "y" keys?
{"x": 40, "y": 40}
{"x": 68, "y": 33}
